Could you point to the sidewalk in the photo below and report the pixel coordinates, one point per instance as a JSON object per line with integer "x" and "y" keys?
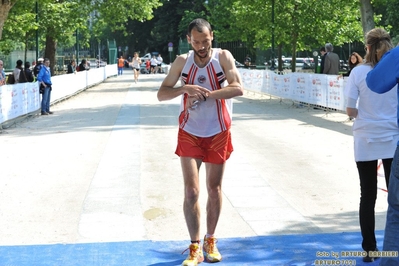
{"x": 98, "y": 183}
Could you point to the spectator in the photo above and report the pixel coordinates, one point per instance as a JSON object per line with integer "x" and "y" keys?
{"x": 121, "y": 65}
{"x": 322, "y": 57}
{"x": 17, "y": 71}
{"x": 353, "y": 61}
{"x": 382, "y": 80}
{"x": 159, "y": 64}
{"x": 83, "y": 65}
{"x": 44, "y": 78}
{"x": 154, "y": 64}
{"x": 26, "y": 74}
{"x": 204, "y": 133}
{"x": 148, "y": 66}
{"x": 71, "y": 67}
{"x": 375, "y": 133}
{"x": 331, "y": 61}
{"x": 38, "y": 66}
{"x": 2, "y": 74}
{"x": 247, "y": 60}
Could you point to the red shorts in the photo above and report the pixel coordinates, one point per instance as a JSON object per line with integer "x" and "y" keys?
{"x": 215, "y": 149}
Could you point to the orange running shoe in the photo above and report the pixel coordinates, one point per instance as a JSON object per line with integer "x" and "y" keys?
{"x": 195, "y": 256}
{"x": 211, "y": 252}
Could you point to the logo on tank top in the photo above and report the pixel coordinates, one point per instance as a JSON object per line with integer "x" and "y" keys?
{"x": 201, "y": 79}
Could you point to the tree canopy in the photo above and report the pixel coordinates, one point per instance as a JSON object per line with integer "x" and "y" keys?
{"x": 148, "y": 25}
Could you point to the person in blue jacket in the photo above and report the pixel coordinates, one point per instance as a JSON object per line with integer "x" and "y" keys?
{"x": 44, "y": 78}
{"x": 383, "y": 78}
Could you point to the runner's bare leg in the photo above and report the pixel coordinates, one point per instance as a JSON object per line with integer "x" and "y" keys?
{"x": 214, "y": 176}
{"x": 191, "y": 208}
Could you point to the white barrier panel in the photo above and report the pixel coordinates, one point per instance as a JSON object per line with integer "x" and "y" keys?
{"x": 69, "y": 84}
{"x": 65, "y": 85}
{"x": 318, "y": 89}
{"x": 17, "y": 100}
{"x": 21, "y": 99}
{"x": 335, "y": 93}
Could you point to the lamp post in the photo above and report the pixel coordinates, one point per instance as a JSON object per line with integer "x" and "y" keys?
{"x": 77, "y": 46}
{"x": 316, "y": 61}
{"x": 99, "y": 53}
{"x": 272, "y": 67}
{"x": 37, "y": 31}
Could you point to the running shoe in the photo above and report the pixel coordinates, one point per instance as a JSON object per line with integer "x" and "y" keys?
{"x": 195, "y": 256}
{"x": 211, "y": 252}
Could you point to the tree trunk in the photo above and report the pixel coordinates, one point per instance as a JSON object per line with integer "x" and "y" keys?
{"x": 49, "y": 52}
{"x": 26, "y": 47}
{"x": 5, "y": 7}
{"x": 367, "y": 15}
{"x": 280, "y": 59}
{"x": 294, "y": 35}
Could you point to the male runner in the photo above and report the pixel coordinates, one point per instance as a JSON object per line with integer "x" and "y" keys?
{"x": 210, "y": 79}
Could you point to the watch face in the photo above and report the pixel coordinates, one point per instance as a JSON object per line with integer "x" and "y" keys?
{"x": 315, "y": 53}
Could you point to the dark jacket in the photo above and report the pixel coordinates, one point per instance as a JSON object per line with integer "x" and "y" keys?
{"x": 37, "y": 68}
{"x": 71, "y": 69}
{"x": 82, "y": 67}
{"x": 26, "y": 75}
{"x": 323, "y": 57}
{"x": 331, "y": 64}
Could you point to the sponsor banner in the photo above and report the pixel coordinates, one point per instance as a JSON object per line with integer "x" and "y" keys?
{"x": 317, "y": 89}
{"x": 20, "y": 99}
{"x": 17, "y": 100}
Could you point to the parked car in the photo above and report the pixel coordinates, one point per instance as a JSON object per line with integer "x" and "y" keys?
{"x": 343, "y": 66}
{"x": 143, "y": 69}
{"x": 286, "y": 65}
{"x": 95, "y": 63}
{"x": 148, "y": 56}
{"x": 299, "y": 62}
{"x": 239, "y": 65}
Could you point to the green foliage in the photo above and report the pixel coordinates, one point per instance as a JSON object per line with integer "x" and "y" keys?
{"x": 60, "y": 19}
{"x": 389, "y": 17}
{"x": 169, "y": 24}
{"x": 299, "y": 25}
{"x": 189, "y": 16}
{"x": 148, "y": 25}
{"x": 18, "y": 27}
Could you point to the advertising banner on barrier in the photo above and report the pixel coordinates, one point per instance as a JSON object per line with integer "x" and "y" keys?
{"x": 299, "y": 85}
{"x": 17, "y": 100}
{"x": 267, "y": 82}
{"x": 317, "y": 89}
{"x": 20, "y": 99}
{"x": 335, "y": 93}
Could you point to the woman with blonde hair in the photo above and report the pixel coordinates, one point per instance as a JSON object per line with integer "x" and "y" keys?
{"x": 375, "y": 132}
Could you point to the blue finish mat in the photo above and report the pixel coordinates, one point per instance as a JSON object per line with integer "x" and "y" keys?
{"x": 288, "y": 250}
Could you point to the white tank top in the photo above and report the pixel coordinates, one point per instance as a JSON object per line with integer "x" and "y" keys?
{"x": 212, "y": 116}
{"x": 135, "y": 63}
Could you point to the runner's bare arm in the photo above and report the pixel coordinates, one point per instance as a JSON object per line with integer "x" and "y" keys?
{"x": 167, "y": 91}
{"x": 352, "y": 112}
{"x": 233, "y": 78}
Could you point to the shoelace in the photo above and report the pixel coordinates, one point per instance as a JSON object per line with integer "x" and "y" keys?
{"x": 193, "y": 251}
{"x": 211, "y": 244}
